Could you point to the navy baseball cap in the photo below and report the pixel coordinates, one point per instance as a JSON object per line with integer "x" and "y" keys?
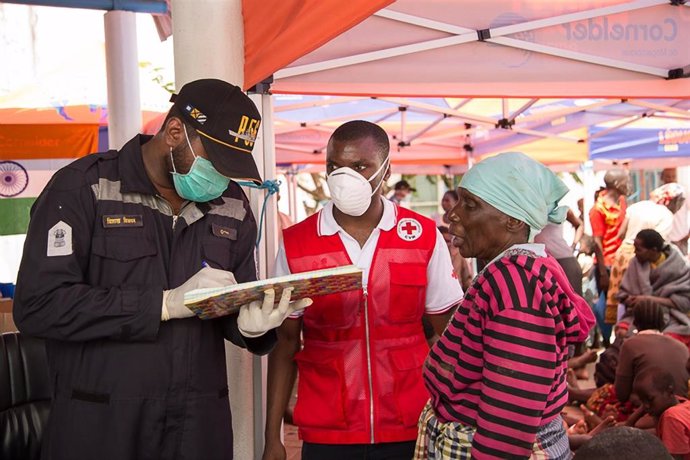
{"x": 227, "y": 122}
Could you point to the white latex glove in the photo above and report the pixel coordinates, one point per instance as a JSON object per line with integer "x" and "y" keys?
{"x": 207, "y": 277}
{"x": 257, "y": 318}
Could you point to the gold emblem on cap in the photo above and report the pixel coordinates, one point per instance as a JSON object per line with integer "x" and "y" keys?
{"x": 247, "y": 131}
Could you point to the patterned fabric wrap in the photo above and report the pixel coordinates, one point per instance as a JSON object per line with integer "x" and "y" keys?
{"x": 620, "y": 265}
{"x": 453, "y": 440}
{"x": 604, "y": 402}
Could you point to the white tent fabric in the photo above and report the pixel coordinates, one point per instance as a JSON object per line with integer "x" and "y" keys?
{"x": 502, "y": 48}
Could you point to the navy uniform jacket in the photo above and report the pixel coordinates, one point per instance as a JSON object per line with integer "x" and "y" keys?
{"x": 101, "y": 248}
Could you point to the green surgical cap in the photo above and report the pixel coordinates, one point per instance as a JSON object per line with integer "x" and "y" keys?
{"x": 520, "y": 187}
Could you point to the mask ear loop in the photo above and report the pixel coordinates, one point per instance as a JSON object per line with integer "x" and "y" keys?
{"x": 188, "y": 143}
{"x": 172, "y": 161}
{"x": 386, "y": 163}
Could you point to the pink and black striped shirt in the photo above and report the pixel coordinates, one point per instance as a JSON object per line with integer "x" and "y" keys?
{"x": 501, "y": 364}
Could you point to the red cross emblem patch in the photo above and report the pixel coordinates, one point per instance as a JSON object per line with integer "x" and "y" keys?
{"x": 409, "y": 229}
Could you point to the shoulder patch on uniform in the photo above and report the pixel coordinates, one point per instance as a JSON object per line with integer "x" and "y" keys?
{"x": 409, "y": 229}
{"x": 59, "y": 240}
{"x": 231, "y": 207}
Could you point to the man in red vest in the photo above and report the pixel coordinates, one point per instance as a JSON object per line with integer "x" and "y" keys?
{"x": 360, "y": 389}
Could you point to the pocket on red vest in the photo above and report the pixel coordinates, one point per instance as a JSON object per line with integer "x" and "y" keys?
{"x": 409, "y": 391}
{"x": 408, "y": 291}
{"x": 321, "y": 389}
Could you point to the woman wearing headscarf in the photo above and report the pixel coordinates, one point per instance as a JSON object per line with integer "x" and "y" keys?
{"x": 656, "y": 214}
{"x": 497, "y": 374}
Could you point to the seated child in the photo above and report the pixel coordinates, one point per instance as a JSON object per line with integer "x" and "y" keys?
{"x": 655, "y": 389}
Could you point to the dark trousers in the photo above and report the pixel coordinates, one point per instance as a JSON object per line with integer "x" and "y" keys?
{"x": 383, "y": 451}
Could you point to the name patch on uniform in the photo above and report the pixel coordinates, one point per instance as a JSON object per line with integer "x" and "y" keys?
{"x": 224, "y": 232}
{"x": 122, "y": 220}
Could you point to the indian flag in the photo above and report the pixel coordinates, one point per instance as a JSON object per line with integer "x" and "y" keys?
{"x": 53, "y": 97}
{"x": 29, "y": 156}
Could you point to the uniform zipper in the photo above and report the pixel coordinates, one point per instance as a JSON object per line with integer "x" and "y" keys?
{"x": 182, "y": 208}
{"x": 371, "y": 382}
{"x": 167, "y": 203}
{"x": 174, "y": 216}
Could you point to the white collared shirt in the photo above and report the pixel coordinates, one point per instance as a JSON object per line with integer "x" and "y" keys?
{"x": 443, "y": 289}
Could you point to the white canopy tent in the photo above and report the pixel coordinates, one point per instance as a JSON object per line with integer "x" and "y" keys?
{"x": 475, "y": 48}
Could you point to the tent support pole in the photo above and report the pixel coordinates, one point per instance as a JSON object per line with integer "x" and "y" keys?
{"x": 661, "y": 107}
{"x": 577, "y": 16}
{"x": 617, "y": 127}
{"x": 122, "y": 70}
{"x": 292, "y": 192}
{"x": 265, "y": 157}
{"x": 582, "y": 57}
{"x": 438, "y": 120}
{"x": 219, "y": 22}
{"x": 318, "y": 103}
{"x": 588, "y": 181}
{"x": 522, "y": 109}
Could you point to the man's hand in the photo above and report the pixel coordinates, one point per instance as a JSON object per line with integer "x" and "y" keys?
{"x": 257, "y": 318}
{"x": 207, "y": 277}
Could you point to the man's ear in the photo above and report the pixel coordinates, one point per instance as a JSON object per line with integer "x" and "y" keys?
{"x": 173, "y": 132}
{"x": 515, "y": 226}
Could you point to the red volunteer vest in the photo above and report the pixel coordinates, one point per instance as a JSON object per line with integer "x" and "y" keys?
{"x": 360, "y": 371}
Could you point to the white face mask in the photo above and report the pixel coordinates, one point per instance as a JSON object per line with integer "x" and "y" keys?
{"x": 350, "y": 191}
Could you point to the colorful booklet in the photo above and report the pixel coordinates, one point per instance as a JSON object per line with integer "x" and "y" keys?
{"x": 210, "y": 303}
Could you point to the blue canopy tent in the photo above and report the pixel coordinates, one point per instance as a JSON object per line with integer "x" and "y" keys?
{"x": 640, "y": 143}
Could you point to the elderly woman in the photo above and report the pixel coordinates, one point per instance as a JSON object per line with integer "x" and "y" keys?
{"x": 497, "y": 374}
{"x": 659, "y": 273}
